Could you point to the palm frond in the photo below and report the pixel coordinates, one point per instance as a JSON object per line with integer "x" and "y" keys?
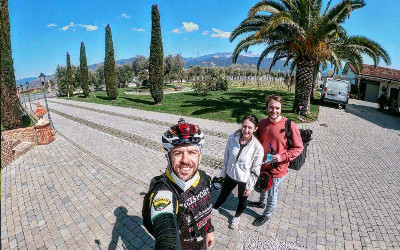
{"x": 249, "y": 25}
{"x": 272, "y": 7}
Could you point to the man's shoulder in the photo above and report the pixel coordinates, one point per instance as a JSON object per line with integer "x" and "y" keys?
{"x": 264, "y": 120}
{"x": 204, "y": 175}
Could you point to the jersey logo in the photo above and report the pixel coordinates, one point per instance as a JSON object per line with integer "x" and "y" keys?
{"x": 160, "y": 203}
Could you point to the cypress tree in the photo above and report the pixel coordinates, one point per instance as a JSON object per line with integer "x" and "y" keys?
{"x": 156, "y": 60}
{"x": 10, "y": 110}
{"x": 109, "y": 67}
{"x": 84, "y": 71}
{"x": 70, "y": 86}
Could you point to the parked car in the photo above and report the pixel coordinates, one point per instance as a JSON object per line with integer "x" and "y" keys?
{"x": 335, "y": 91}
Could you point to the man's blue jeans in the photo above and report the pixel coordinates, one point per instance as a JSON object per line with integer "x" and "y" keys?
{"x": 271, "y": 196}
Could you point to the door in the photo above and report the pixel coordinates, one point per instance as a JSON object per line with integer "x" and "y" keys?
{"x": 371, "y": 92}
{"x": 394, "y": 93}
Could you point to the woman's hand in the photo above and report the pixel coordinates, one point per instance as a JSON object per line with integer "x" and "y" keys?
{"x": 247, "y": 192}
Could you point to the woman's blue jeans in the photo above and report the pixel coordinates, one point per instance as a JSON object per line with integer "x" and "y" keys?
{"x": 271, "y": 196}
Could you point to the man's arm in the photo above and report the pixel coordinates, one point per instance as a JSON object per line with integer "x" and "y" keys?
{"x": 166, "y": 232}
{"x": 164, "y": 219}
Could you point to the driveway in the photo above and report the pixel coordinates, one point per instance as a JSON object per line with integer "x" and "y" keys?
{"x": 85, "y": 189}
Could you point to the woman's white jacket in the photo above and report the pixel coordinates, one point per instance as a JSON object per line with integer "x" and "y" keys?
{"x": 247, "y": 168}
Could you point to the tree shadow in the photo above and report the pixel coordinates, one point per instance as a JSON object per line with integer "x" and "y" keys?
{"x": 106, "y": 98}
{"x": 128, "y": 229}
{"x": 228, "y": 209}
{"x": 239, "y": 102}
{"x": 137, "y": 100}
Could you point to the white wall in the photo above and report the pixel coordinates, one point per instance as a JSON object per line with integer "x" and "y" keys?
{"x": 351, "y": 77}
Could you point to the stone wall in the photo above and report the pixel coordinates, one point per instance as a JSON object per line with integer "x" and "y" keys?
{"x": 24, "y": 134}
{"x": 13, "y": 137}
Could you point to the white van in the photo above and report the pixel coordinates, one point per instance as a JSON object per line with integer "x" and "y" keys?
{"x": 335, "y": 91}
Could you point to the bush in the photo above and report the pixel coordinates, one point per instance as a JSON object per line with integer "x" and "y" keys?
{"x": 383, "y": 101}
{"x": 392, "y": 105}
{"x": 202, "y": 87}
{"x": 221, "y": 84}
{"x": 354, "y": 91}
{"x": 208, "y": 83}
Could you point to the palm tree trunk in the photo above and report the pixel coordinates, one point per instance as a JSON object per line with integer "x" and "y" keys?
{"x": 304, "y": 80}
{"x": 316, "y": 68}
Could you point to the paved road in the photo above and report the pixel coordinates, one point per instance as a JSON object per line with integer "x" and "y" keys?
{"x": 73, "y": 192}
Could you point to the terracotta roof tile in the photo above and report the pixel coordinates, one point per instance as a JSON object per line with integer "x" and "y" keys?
{"x": 381, "y": 72}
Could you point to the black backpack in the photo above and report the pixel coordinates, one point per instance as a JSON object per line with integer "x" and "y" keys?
{"x": 163, "y": 179}
{"x": 297, "y": 163}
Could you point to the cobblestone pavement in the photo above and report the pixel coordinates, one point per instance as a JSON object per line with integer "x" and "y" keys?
{"x": 85, "y": 189}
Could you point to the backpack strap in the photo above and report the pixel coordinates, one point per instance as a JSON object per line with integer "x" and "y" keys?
{"x": 288, "y": 132}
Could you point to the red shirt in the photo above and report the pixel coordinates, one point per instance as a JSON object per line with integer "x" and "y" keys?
{"x": 275, "y": 133}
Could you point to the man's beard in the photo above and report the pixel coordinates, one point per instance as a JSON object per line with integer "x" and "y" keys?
{"x": 195, "y": 168}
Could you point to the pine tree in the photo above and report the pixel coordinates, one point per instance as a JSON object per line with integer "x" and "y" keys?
{"x": 109, "y": 67}
{"x": 10, "y": 111}
{"x": 156, "y": 60}
{"x": 84, "y": 71}
{"x": 70, "y": 85}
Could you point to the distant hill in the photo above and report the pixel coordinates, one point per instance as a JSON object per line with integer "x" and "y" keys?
{"x": 221, "y": 59}
{"x": 33, "y": 81}
{"x": 224, "y": 59}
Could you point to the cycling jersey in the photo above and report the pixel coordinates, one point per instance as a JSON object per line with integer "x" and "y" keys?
{"x": 191, "y": 213}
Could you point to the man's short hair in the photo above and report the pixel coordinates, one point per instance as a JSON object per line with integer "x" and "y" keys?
{"x": 276, "y": 98}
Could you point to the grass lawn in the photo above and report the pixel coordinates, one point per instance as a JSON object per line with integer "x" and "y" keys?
{"x": 228, "y": 106}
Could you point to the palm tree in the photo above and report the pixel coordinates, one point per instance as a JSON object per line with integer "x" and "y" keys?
{"x": 301, "y": 33}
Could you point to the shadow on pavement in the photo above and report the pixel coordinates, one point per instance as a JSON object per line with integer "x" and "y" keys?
{"x": 231, "y": 205}
{"x": 372, "y": 115}
{"x": 126, "y": 228}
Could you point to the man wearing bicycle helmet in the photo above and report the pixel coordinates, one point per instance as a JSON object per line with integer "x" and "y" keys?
{"x": 181, "y": 203}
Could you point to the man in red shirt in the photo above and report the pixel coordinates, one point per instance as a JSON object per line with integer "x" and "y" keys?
{"x": 272, "y": 130}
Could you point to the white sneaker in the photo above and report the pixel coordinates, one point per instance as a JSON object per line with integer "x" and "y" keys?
{"x": 234, "y": 223}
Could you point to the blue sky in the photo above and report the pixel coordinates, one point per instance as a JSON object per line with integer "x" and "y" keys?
{"x": 43, "y": 31}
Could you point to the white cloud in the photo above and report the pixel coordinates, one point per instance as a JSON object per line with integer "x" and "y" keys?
{"x": 186, "y": 28}
{"x": 51, "y": 25}
{"x": 90, "y": 27}
{"x": 72, "y": 25}
{"x": 125, "y": 15}
{"x": 185, "y": 38}
{"x": 137, "y": 29}
{"x": 190, "y": 26}
{"x": 221, "y": 34}
{"x": 205, "y": 32}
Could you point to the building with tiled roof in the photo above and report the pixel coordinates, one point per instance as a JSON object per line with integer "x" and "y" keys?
{"x": 371, "y": 80}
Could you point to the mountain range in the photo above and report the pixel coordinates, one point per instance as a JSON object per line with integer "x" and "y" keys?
{"x": 221, "y": 59}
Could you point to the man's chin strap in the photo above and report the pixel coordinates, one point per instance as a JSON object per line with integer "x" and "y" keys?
{"x": 184, "y": 185}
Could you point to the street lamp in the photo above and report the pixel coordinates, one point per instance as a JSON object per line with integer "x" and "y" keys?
{"x": 29, "y": 97}
{"x": 19, "y": 95}
{"x": 22, "y": 89}
{"x": 42, "y": 77}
